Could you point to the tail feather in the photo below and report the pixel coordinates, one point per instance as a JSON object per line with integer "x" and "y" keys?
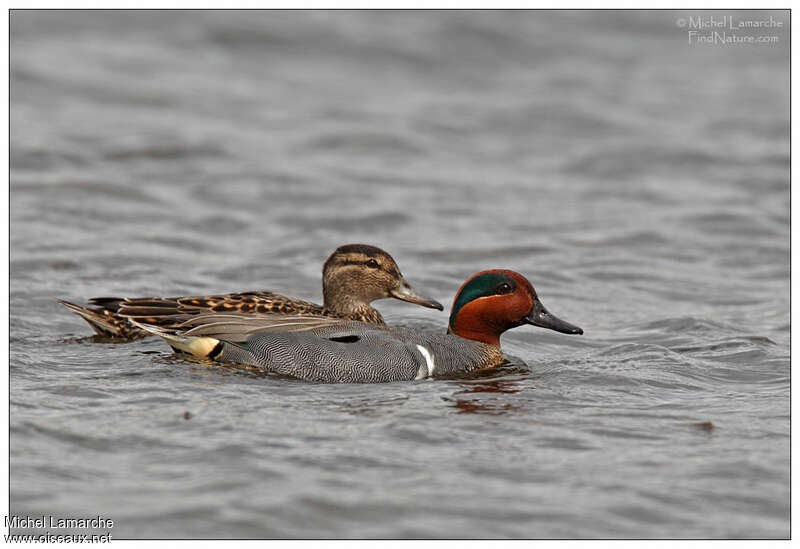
{"x": 105, "y": 322}
{"x": 152, "y": 307}
{"x": 109, "y": 303}
{"x": 200, "y": 347}
{"x": 142, "y": 311}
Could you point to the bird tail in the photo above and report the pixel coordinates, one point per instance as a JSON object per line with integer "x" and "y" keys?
{"x": 200, "y": 347}
{"x": 105, "y": 322}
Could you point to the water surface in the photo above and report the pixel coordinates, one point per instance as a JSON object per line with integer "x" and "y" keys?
{"x": 642, "y": 184}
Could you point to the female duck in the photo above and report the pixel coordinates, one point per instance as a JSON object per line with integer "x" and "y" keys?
{"x": 333, "y": 350}
{"x": 353, "y": 276}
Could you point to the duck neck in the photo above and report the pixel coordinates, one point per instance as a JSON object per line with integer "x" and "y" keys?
{"x": 472, "y": 322}
{"x": 476, "y": 335}
{"x": 348, "y": 297}
{"x": 352, "y": 309}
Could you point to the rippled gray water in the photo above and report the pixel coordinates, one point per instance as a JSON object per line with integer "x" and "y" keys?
{"x": 641, "y": 183}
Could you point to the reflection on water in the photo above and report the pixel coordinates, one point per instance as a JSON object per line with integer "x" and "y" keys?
{"x": 475, "y": 402}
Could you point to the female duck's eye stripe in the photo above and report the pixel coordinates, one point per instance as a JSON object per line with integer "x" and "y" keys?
{"x": 353, "y": 262}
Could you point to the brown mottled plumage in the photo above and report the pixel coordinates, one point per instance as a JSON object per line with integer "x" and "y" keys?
{"x": 353, "y": 276}
{"x": 106, "y": 322}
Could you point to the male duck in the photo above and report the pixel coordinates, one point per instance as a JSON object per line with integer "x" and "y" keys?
{"x": 316, "y": 348}
{"x": 353, "y": 276}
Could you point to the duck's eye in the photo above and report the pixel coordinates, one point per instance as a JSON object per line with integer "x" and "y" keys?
{"x": 372, "y": 264}
{"x": 504, "y": 288}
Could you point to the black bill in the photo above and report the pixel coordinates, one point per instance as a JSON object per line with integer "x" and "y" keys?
{"x": 541, "y": 317}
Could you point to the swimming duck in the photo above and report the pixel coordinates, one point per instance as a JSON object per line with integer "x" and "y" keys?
{"x": 353, "y": 276}
{"x": 316, "y": 348}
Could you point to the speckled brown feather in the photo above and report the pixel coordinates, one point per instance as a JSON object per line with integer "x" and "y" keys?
{"x": 108, "y": 316}
{"x": 257, "y": 302}
{"x": 106, "y": 322}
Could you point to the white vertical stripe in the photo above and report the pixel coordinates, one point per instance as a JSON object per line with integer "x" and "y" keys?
{"x": 429, "y": 362}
